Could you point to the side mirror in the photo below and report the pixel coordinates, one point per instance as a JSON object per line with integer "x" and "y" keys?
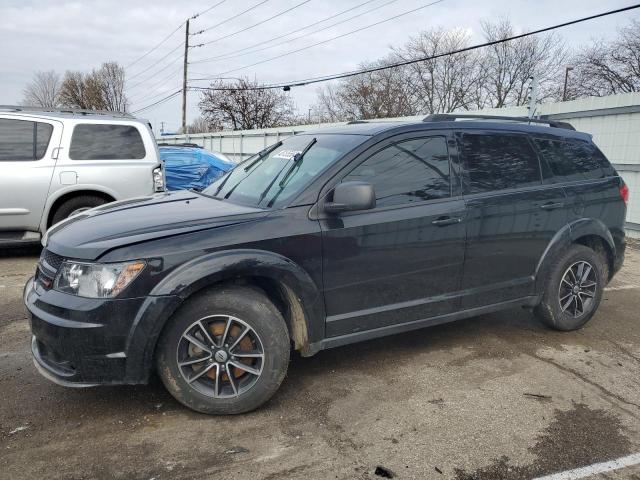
{"x": 350, "y": 196}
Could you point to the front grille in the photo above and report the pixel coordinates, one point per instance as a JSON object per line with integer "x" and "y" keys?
{"x": 48, "y": 267}
{"x": 50, "y": 261}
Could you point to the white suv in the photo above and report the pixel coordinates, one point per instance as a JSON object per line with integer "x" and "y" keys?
{"x": 54, "y": 164}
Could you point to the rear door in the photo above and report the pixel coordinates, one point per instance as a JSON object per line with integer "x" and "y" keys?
{"x": 27, "y": 150}
{"x": 512, "y": 215}
{"x": 401, "y": 261}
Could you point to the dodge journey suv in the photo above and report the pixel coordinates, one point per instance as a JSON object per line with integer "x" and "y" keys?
{"x": 322, "y": 240}
{"x": 54, "y": 164}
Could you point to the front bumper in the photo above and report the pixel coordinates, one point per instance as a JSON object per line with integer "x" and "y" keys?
{"x": 86, "y": 342}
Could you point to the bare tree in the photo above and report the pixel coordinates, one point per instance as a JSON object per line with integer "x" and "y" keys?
{"x": 510, "y": 66}
{"x": 111, "y": 81}
{"x": 239, "y": 105}
{"x": 371, "y": 95}
{"x": 199, "y": 125}
{"x": 447, "y": 83}
{"x": 101, "y": 89}
{"x": 608, "y": 67}
{"x": 43, "y": 91}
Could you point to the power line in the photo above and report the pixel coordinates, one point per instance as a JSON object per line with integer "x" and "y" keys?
{"x": 154, "y": 48}
{"x": 172, "y": 62}
{"x": 326, "y": 78}
{"x": 230, "y": 55}
{"x": 327, "y": 40}
{"x": 180, "y": 45}
{"x": 252, "y": 26}
{"x": 196, "y": 15}
{"x": 165, "y": 99}
{"x": 230, "y": 18}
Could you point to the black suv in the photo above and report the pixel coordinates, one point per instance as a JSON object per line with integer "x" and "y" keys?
{"x": 322, "y": 240}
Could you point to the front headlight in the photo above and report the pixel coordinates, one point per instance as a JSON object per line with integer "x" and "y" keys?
{"x": 96, "y": 280}
{"x": 158, "y": 179}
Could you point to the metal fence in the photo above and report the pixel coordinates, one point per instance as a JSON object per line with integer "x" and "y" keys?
{"x": 614, "y": 122}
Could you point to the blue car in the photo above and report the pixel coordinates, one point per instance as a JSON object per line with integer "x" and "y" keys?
{"x": 189, "y": 166}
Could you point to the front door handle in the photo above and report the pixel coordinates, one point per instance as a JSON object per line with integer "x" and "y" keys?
{"x": 443, "y": 221}
{"x": 552, "y": 205}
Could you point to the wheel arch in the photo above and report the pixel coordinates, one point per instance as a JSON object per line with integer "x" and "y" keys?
{"x": 590, "y": 232}
{"x": 284, "y": 282}
{"x": 63, "y": 196}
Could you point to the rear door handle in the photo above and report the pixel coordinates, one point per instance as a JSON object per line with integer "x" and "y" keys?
{"x": 552, "y": 205}
{"x": 443, "y": 221}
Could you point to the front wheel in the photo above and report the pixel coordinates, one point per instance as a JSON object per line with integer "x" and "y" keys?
{"x": 573, "y": 289}
{"x": 225, "y": 351}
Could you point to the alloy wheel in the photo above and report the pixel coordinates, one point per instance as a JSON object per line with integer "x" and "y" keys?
{"x": 578, "y": 289}
{"x": 220, "y": 356}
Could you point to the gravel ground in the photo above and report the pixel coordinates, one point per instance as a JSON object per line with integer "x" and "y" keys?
{"x": 493, "y": 397}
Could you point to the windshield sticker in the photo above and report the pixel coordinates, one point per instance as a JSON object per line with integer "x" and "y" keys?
{"x": 287, "y": 154}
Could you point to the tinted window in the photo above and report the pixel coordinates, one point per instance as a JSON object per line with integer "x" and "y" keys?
{"x": 106, "y": 142}
{"x": 409, "y": 171}
{"x": 22, "y": 140}
{"x": 574, "y": 160}
{"x": 498, "y": 161}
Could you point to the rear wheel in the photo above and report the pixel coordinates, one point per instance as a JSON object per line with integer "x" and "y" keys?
{"x": 76, "y": 205}
{"x": 573, "y": 289}
{"x": 224, "y": 352}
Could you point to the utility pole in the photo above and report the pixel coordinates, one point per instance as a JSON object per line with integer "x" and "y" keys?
{"x": 161, "y": 128}
{"x": 184, "y": 78}
{"x": 566, "y": 78}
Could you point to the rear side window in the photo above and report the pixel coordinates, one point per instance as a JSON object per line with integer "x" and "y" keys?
{"x": 106, "y": 142}
{"x": 406, "y": 172}
{"x": 498, "y": 161}
{"x": 22, "y": 140}
{"x": 574, "y": 159}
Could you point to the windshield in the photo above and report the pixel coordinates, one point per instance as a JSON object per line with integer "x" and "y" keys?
{"x": 273, "y": 179}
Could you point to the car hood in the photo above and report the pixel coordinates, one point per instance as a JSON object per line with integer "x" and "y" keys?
{"x": 94, "y": 232}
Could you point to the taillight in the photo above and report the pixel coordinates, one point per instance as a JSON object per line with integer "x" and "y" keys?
{"x": 624, "y": 193}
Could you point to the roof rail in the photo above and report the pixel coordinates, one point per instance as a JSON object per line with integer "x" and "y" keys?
{"x": 77, "y": 111}
{"x": 356, "y": 122}
{"x": 450, "y": 117}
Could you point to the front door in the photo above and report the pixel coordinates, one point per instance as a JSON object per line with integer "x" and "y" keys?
{"x": 26, "y": 166}
{"x": 401, "y": 261}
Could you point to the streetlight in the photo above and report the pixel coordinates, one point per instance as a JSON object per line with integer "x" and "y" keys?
{"x": 566, "y": 78}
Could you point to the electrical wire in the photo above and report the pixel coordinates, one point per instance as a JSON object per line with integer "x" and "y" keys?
{"x": 196, "y": 15}
{"x": 326, "y": 78}
{"x": 142, "y": 82}
{"x": 155, "y": 48}
{"x": 252, "y": 26}
{"x": 165, "y": 99}
{"x": 327, "y": 40}
{"x": 230, "y": 18}
{"x": 155, "y": 64}
{"x": 229, "y": 55}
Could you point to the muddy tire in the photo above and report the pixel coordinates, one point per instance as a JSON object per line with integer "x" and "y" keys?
{"x": 573, "y": 289}
{"x": 76, "y": 205}
{"x": 225, "y": 351}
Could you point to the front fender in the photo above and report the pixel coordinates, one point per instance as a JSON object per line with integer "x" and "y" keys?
{"x": 212, "y": 268}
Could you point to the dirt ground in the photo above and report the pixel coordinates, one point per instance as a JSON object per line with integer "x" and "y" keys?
{"x": 493, "y": 397}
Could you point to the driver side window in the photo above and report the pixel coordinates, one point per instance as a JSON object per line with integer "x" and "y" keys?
{"x": 407, "y": 171}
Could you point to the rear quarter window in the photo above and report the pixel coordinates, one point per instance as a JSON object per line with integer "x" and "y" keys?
{"x": 498, "y": 161}
{"x": 106, "y": 142}
{"x": 574, "y": 159}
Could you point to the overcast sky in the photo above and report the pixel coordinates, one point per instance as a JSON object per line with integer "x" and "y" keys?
{"x": 74, "y": 35}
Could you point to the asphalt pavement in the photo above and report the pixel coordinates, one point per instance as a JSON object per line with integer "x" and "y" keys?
{"x": 493, "y": 397}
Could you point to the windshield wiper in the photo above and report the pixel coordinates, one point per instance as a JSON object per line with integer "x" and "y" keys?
{"x": 297, "y": 161}
{"x": 262, "y": 154}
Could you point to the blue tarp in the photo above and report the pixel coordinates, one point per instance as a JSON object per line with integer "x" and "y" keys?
{"x": 190, "y": 167}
